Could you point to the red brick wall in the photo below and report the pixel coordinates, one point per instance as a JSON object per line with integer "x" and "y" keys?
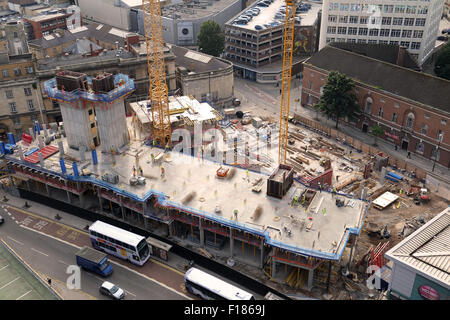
{"x": 313, "y": 80}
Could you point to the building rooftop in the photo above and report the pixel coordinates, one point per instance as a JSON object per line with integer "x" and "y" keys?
{"x": 45, "y": 17}
{"x": 407, "y": 83}
{"x": 195, "y": 9}
{"x": 268, "y": 16}
{"x": 427, "y": 249}
{"x": 195, "y": 61}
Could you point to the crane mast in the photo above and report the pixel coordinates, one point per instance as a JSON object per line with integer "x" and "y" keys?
{"x": 158, "y": 93}
{"x": 288, "y": 48}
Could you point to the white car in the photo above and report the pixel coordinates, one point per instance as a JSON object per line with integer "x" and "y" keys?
{"x": 109, "y": 289}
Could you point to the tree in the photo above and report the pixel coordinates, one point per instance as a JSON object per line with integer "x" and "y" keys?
{"x": 338, "y": 99}
{"x": 442, "y": 64}
{"x": 376, "y": 131}
{"x": 211, "y": 40}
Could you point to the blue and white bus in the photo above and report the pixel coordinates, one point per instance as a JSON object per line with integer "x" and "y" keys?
{"x": 118, "y": 242}
{"x": 209, "y": 287}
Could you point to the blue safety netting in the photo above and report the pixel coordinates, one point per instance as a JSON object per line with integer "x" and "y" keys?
{"x": 124, "y": 85}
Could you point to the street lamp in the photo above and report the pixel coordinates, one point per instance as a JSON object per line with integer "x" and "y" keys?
{"x": 437, "y": 151}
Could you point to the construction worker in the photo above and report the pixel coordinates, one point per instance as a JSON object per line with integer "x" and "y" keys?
{"x": 134, "y": 171}
{"x": 154, "y": 142}
{"x": 401, "y": 192}
{"x": 320, "y": 188}
{"x": 324, "y": 211}
{"x": 153, "y": 157}
{"x": 141, "y": 172}
{"x": 303, "y": 200}
{"x": 337, "y": 178}
{"x": 162, "y": 172}
{"x": 295, "y": 201}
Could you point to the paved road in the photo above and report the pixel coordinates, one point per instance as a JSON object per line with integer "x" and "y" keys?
{"x": 50, "y": 247}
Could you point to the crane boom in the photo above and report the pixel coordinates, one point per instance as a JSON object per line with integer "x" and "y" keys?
{"x": 158, "y": 92}
{"x": 288, "y": 49}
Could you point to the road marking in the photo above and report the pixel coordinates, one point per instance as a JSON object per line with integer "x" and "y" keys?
{"x": 151, "y": 279}
{"x": 129, "y": 292}
{"x": 15, "y": 240}
{"x": 39, "y": 252}
{"x": 4, "y": 267}
{"x": 121, "y": 265}
{"x": 50, "y": 236}
{"x": 60, "y": 261}
{"x": 24, "y": 295}
{"x": 9, "y": 283}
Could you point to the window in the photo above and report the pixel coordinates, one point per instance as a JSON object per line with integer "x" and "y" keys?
{"x": 355, "y": 7}
{"x": 334, "y": 6}
{"x": 417, "y": 34}
{"x": 397, "y": 21}
{"x": 405, "y": 44}
{"x": 383, "y": 42}
{"x": 373, "y": 32}
{"x": 344, "y": 7}
{"x": 351, "y": 40}
{"x": 30, "y": 105}
{"x": 368, "y": 108}
{"x": 12, "y": 107}
{"x": 33, "y": 118}
{"x": 422, "y": 10}
{"x": 388, "y": 8}
{"x": 17, "y": 71}
{"x": 9, "y": 94}
{"x": 362, "y": 41}
{"x": 5, "y": 73}
{"x": 410, "y": 121}
{"x": 330, "y": 40}
{"x": 353, "y": 19}
{"x": 420, "y": 147}
{"x": 406, "y": 33}
{"x": 394, "y": 117}
{"x": 362, "y": 31}
{"x": 409, "y": 22}
{"x": 342, "y": 30}
{"x": 343, "y": 19}
{"x": 395, "y": 43}
{"x": 386, "y": 21}
{"x": 396, "y": 105}
{"x": 426, "y": 116}
{"x": 310, "y": 85}
{"x": 332, "y": 18}
{"x": 399, "y": 9}
{"x": 352, "y": 30}
{"x": 363, "y": 20}
{"x": 424, "y": 129}
{"x": 16, "y": 120}
{"x": 380, "y": 112}
{"x": 375, "y": 20}
{"x": 29, "y": 70}
{"x": 27, "y": 91}
{"x": 385, "y": 32}
{"x": 444, "y": 122}
{"x": 15, "y": 34}
{"x": 411, "y": 9}
{"x": 331, "y": 30}
{"x": 440, "y": 135}
{"x": 420, "y": 22}
{"x": 435, "y": 154}
{"x": 395, "y": 33}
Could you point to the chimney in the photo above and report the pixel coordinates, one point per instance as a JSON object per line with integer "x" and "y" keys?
{"x": 401, "y": 56}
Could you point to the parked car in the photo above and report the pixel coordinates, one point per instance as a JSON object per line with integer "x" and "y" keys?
{"x": 446, "y": 31}
{"x": 443, "y": 38}
{"x": 1, "y": 220}
{"x": 111, "y": 290}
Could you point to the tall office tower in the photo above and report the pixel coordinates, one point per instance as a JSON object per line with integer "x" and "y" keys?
{"x": 413, "y": 24}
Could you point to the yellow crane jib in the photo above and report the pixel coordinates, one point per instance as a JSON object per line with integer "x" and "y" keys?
{"x": 158, "y": 92}
{"x": 288, "y": 48}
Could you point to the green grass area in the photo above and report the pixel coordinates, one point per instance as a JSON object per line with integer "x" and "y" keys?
{"x": 17, "y": 282}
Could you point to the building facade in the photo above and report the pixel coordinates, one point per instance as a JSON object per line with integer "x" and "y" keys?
{"x": 256, "y": 47}
{"x": 413, "y": 24}
{"x": 411, "y": 106}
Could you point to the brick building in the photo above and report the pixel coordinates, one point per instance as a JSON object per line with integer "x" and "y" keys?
{"x": 411, "y": 106}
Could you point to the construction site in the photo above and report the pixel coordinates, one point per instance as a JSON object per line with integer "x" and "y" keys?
{"x": 284, "y": 202}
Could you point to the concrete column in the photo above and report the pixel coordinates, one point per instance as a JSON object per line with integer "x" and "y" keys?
{"x": 310, "y": 278}
{"x": 202, "y": 233}
{"x": 81, "y": 200}
{"x": 100, "y": 202}
{"x": 31, "y": 133}
{"x": 40, "y": 142}
{"x": 364, "y": 193}
{"x": 122, "y": 209}
{"x": 382, "y": 175}
{"x": 231, "y": 242}
{"x": 61, "y": 149}
{"x": 20, "y": 151}
{"x": 82, "y": 151}
{"x": 48, "y": 191}
{"x": 144, "y": 206}
{"x": 68, "y": 197}
{"x": 329, "y": 276}
{"x": 41, "y": 159}
{"x": 261, "y": 263}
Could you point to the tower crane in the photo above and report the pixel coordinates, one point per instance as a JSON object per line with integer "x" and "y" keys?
{"x": 158, "y": 93}
{"x": 288, "y": 48}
